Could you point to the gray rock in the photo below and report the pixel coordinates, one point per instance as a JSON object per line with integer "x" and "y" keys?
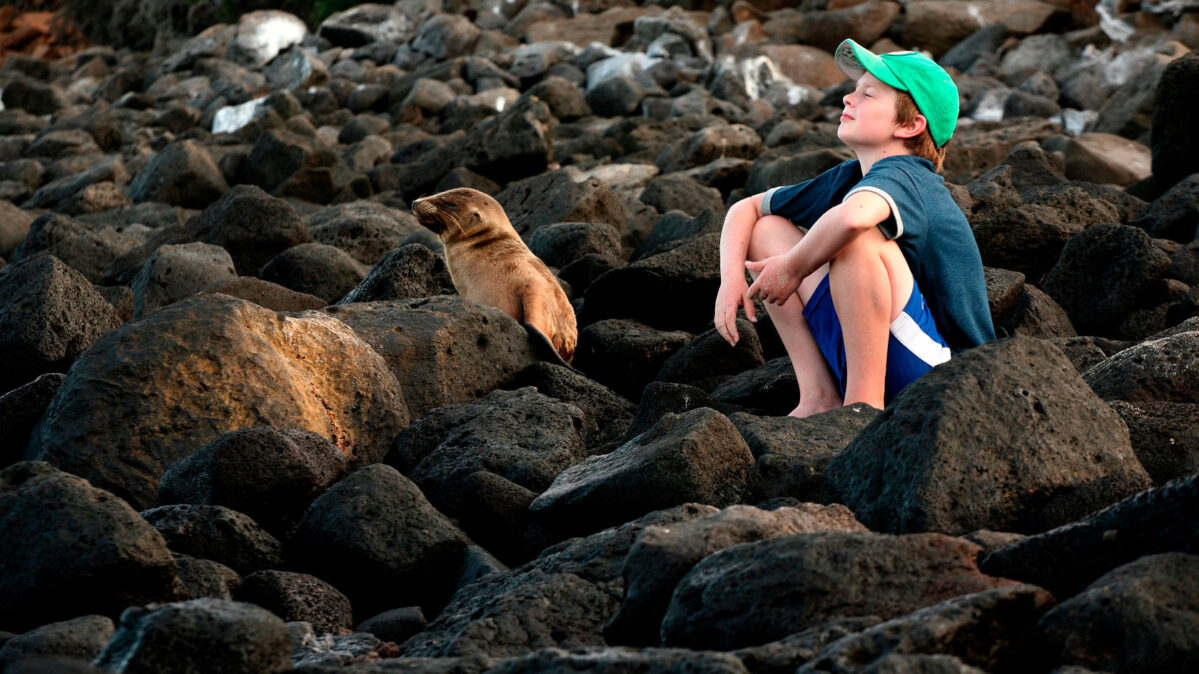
{"x": 81, "y": 638}
{"x": 1094, "y": 290}
{"x": 710, "y": 144}
{"x": 20, "y": 410}
{"x": 1173, "y": 145}
{"x": 177, "y": 272}
{"x": 677, "y": 191}
{"x": 217, "y": 533}
{"x": 252, "y": 225}
{"x": 1175, "y": 214}
{"x": 1000, "y": 409}
{"x": 181, "y": 174}
{"x": 263, "y": 293}
{"x": 48, "y": 315}
{"x": 298, "y": 597}
{"x": 409, "y": 272}
{"x": 201, "y": 578}
{"x": 624, "y": 354}
{"x": 444, "y": 36}
{"x": 1140, "y": 617}
{"x": 606, "y": 413}
{"x": 520, "y": 437}
{"x": 770, "y": 389}
{"x": 992, "y": 630}
{"x": 14, "y": 227}
{"x": 649, "y": 661}
{"x": 396, "y": 625}
{"x": 315, "y": 269}
{"x": 95, "y": 198}
{"x": 295, "y": 69}
{"x": 404, "y": 551}
{"x": 791, "y": 454}
{"x": 556, "y": 197}
{"x": 661, "y": 556}
{"x": 560, "y": 244}
{"x": 86, "y": 248}
{"x": 104, "y": 559}
{"x": 785, "y": 655}
{"x": 198, "y": 635}
{"x": 271, "y": 475}
{"x": 707, "y": 361}
{"x": 1165, "y": 437}
{"x": 441, "y": 349}
{"x": 261, "y": 35}
{"x": 1067, "y": 559}
{"x": 759, "y": 592}
{"x": 1155, "y": 370}
{"x": 1026, "y": 239}
{"x": 63, "y": 143}
{"x": 693, "y": 457}
{"x": 58, "y": 191}
{"x": 366, "y": 24}
{"x": 674, "y": 229}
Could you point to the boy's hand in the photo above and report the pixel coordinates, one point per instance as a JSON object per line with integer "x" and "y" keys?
{"x": 776, "y": 283}
{"x": 729, "y": 298}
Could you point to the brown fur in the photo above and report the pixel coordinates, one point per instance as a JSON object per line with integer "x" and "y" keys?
{"x": 490, "y": 264}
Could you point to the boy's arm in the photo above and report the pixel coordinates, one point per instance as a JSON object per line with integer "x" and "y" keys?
{"x": 781, "y": 275}
{"x": 734, "y": 246}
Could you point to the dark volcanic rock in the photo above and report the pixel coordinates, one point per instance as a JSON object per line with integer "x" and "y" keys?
{"x": 693, "y": 457}
{"x": 1162, "y": 369}
{"x": 81, "y": 638}
{"x": 442, "y": 349}
{"x": 49, "y": 314}
{"x": 1174, "y": 146}
{"x": 275, "y": 157}
{"x": 647, "y": 661}
{"x": 20, "y": 410}
{"x": 103, "y": 557}
{"x": 181, "y": 174}
{"x": 758, "y": 592}
{"x": 252, "y": 225}
{"x": 267, "y": 295}
{"x": 770, "y": 389}
{"x": 556, "y": 197}
{"x": 298, "y": 596}
{"x": 1103, "y": 274}
{"x": 216, "y": 533}
{"x": 660, "y": 398}
{"x": 985, "y": 441}
{"x": 1175, "y": 214}
{"x": 375, "y": 537}
{"x": 669, "y": 291}
{"x": 625, "y": 354}
{"x": 992, "y": 629}
{"x": 271, "y": 475}
{"x": 1165, "y": 437}
{"x": 409, "y": 272}
{"x": 791, "y": 453}
{"x": 680, "y": 192}
{"x": 177, "y": 272}
{"x": 606, "y": 413}
{"x": 519, "y": 437}
{"x": 1068, "y": 558}
{"x": 396, "y": 625}
{"x": 1140, "y": 617}
{"x": 86, "y": 248}
{"x": 365, "y": 229}
{"x": 562, "y": 599}
{"x": 708, "y": 361}
{"x": 315, "y": 269}
{"x": 786, "y": 654}
{"x": 561, "y": 243}
{"x": 198, "y": 635}
{"x": 205, "y": 578}
{"x": 661, "y": 557}
{"x": 109, "y": 424}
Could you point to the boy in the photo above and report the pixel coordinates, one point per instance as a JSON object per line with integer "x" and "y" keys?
{"x": 886, "y": 281}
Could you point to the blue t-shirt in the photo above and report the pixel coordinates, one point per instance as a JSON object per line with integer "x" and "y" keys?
{"x": 931, "y": 230}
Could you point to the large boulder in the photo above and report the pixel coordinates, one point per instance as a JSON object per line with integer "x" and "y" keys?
{"x": 82, "y": 638}
{"x": 49, "y": 314}
{"x": 198, "y": 635}
{"x": 1140, "y": 617}
{"x": 442, "y": 349}
{"x": 988, "y": 440}
{"x": 1067, "y": 559}
{"x": 376, "y": 538}
{"x": 758, "y": 592}
{"x": 121, "y": 419}
{"x": 269, "y": 474}
{"x": 661, "y": 557}
{"x": 693, "y": 457}
{"x": 1163, "y": 369}
{"x": 101, "y": 558}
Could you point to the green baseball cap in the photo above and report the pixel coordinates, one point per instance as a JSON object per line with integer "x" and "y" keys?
{"x": 928, "y": 84}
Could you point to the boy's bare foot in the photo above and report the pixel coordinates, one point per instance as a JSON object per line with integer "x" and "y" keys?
{"x": 815, "y": 404}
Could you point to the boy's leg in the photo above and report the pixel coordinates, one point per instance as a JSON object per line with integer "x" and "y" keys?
{"x": 818, "y": 391}
{"x": 870, "y": 283}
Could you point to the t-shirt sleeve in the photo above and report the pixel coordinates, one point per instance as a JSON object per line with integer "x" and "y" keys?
{"x": 891, "y": 182}
{"x": 805, "y": 202}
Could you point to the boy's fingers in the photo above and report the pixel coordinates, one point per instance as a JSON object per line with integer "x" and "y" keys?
{"x": 751, "y": 313}
{"x": 755, "y": 266}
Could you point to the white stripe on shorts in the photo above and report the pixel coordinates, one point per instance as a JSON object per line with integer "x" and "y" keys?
{"x": 908, "y": 333}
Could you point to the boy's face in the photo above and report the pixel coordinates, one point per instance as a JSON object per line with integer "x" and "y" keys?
{"x": 868, "y": 118}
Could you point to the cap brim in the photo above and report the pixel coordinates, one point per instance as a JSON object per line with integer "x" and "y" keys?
{"x": 853, "y": 59}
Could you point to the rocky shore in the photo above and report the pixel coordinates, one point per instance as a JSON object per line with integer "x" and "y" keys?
{"x": 247, "y": 425}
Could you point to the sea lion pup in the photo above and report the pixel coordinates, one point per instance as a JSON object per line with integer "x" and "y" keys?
{"x": 490, "y": 264}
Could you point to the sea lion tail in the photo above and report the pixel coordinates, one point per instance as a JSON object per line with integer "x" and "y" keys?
{"x": 544, "y": 349}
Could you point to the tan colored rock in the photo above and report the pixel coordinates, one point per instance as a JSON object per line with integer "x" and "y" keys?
{"x": 154, "y": 391}
{"x": 806, "y": 65}
{"x": 937, "y": 25}
{"x": 1107, "y": 158}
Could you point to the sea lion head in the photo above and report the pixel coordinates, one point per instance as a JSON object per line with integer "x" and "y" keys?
{"x": 458, "y": 213}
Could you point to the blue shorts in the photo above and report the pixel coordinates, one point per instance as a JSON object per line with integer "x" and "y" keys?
{"x": 914, "y": 348}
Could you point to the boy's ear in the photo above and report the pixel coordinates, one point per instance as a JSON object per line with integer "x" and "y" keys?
{"x": 911, "y": 129}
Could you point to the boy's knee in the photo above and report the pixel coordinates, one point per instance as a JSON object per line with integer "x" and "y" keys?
{"x": 772, "y": 235}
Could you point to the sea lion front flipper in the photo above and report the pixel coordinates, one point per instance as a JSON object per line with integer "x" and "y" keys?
{"x": 544, "y": 349}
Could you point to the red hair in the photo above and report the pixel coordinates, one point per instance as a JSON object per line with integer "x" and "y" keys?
{"x": 921, "y": 145}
